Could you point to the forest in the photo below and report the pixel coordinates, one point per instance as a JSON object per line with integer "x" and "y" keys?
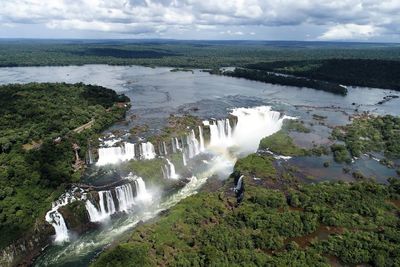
{"x": 370, "y": 134}
{"x": 181, "y": 54}
{"x": 268, "y": 77}
{"x": 357, "y": 72}
{"x": 37, "y": 122}
{"x": 312, "y": 225}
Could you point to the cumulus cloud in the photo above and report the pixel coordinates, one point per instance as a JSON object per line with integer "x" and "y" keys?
{"x": 350, "y": 32}
{"x": 342, "y": 19}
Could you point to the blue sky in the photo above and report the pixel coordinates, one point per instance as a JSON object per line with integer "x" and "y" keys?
{"x": 335, "y": 20}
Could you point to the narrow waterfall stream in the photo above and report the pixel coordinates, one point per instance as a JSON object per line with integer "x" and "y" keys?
{"x": 169, "y": 170}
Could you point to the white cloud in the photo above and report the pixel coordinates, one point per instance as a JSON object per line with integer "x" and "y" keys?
{"x": 350, "y": 32}
{"x": 351, "y": 19}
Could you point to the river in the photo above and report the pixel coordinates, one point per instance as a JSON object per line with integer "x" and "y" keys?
{"x": 156, "y": 93}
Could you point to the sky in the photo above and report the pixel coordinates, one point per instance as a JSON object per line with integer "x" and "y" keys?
{"x": 304, "y": 20}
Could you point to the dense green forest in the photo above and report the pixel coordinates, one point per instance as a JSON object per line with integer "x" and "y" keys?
{"x": 37, "y": 122}
{"x": 359, "y": 72}
{"x": 267, "y": 77}
{"x": 312, "y": 225}
{"x": 370, "y": 134}
{"x": 191, "y": 54}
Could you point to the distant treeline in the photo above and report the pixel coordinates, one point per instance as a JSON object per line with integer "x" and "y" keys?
{"x": 268, "y": 77}
{"x": 357, "y": 72}
{"x": 181, "y": 54}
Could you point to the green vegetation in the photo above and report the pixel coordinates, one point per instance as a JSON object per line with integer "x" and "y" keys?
{"x": 295, "y": 126}
{"x": 37, "y": 123}
{"x": 367, "y": 134}
{"x": 360, "y": 72}
{"x": 282, "y": 144}
{"x": 182, "y": 69}
{"x": 256, "y": 165}
{"x": 182, "y": 54}
{"x": 126, "y": 255}
{"x": 268, "y": 77}
{"x": 149, "y": 169}
{"x": 340, "y": 153}
{"x": 354, "y": 223}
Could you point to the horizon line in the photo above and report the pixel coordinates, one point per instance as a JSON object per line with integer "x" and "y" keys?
{"x": 195, "y": 40}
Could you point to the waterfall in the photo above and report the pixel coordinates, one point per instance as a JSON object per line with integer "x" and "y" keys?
{"x": 90, "y": 156}
{"x": 239, "y": 190}
{"x": 164, "y": 170}
{"x": 254, "y": 124}
{"x": 129, "y": 151}
{"x": 55, "y": 218}
{"x": 125, "y": 200}
{"x": 239, "y": 184}
{"x": 169, "y": 170}
{"x": 201, "y": 139}
{"x": 173, "y": 145}
{"x": 165, "y": 148}
{"x": 124, "y": 194}
{"x": 113, "y": 155}
{"x": 147, "y": 150}
{"x": 184, "y": 157}
{"x": 193, "y": 144}
{"x": 107, "y": 205}
{"x": 178, "y": 147}
{"x": 220, "y": 133}
{"x": 141, "y": 192}
{"x": 57, "y": 221}
{"x": 228, "y": 129}
{"x": 94, "y": 214}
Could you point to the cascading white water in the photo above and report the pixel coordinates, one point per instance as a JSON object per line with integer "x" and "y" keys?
{"x": 220, "y": 133}
{"x": 228, "y": 129}
{"x": 254, "y": 124}
{"x": 94, "y": 214}
{"x": 107, "y": 205}
{"x": 184, "y": 160}
{"x": 165, "y": 148}
{"x": 178, "y": 146}
{"x": 124, "y": 194}
{"x": 169, "y": 171}
{"x": 173, "y": 145}
{"x": 147, "y": 150}
{"x": 57, "y": 221}
{"x": 55, "y": 218}
{"x": 193, "y": 144}
{"x": 125, "y": 200}
{"x": 141, "y": 192}
{"x": 90, "y": 154}
{"x": 239, "y": 184}
{"x": 113, "y": 155}
{"x": 201, "y": 137}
